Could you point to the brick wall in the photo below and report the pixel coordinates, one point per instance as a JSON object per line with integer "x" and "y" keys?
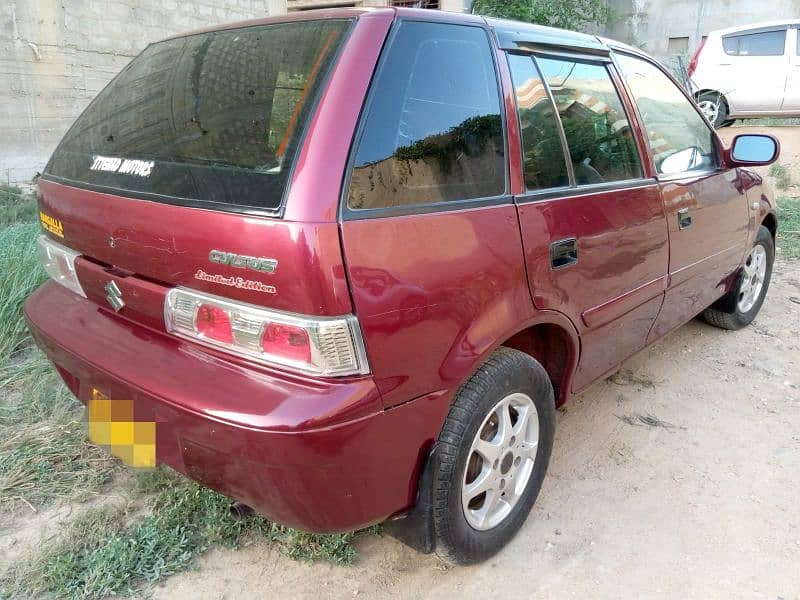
{"x": 56, "y": 55}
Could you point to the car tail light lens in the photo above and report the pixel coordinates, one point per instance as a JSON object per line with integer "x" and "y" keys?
{"x": 59, "y": 262}
{"x": 325, "y": 346}
{"x": 696, "y": 57}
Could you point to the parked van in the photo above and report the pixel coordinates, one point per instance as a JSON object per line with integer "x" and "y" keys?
{"x": 748, "y": 71}
{"x": 349, "y": 263}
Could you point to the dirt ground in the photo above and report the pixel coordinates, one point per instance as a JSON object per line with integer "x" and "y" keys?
{"x": 704, "y": 505}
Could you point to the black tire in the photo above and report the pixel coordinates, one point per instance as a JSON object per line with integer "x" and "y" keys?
{"x": 506, "y": 372}
{"x": 726, "y": 313}
{"x": 719, "y": 101}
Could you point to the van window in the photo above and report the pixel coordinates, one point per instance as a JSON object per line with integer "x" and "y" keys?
{"x": 544, "y": 165}
{"x": 432, "y": 131}
{"x": 764, "y": 43}
{"x": 680, "y": 139}
{"x": 601, "y": 144}
{"x": 212, "y": 119}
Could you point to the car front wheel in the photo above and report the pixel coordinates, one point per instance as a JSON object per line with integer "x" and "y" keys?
{"x": 494, "y": 449}
{"x": 740, "y": 306}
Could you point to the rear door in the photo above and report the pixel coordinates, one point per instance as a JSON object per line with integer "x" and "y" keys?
{"x": 758, "y": 61}
{"x": 706, "y": 207}
{"x": 592, "y": 222}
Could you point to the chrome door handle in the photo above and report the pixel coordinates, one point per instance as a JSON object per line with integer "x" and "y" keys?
{"x": 684, "y": 219}
{"x": 563, "y": 253}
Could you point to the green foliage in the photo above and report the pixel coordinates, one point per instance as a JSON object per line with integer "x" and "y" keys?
{"x": 16, "y": 206}
{"x": 789, "y": 227}
{"x": 20, "y": 274}
{"x": 566, "y": 14}
{"x": 782, "y": 175}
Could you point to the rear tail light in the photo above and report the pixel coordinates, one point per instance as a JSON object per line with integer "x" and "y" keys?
{"x": 696, "y": 57}
{"x": 59, "y": 262}
{"x": 326, "y": 346}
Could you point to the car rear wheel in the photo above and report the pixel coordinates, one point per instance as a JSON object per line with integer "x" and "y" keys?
{"x": 740, "y": 306}
{"x": 714, "y": 108}
{"x": 494, "y": 449}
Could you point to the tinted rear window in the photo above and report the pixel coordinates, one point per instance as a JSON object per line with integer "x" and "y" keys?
{"x": 208, "y": 119}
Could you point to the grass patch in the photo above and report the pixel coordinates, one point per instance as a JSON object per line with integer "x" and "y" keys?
{"x": 20, "y": 274}
{"x": 789, "y": 227}
{"x": 100, "y": 556}
{"x": 782, "y": 176}
{"x": 16, "y": 206}
{"x": 768, "y": 122}
{"x": 44, "y": 453}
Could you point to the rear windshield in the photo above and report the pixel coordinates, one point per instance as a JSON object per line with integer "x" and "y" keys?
{"x": 212, "y": 119}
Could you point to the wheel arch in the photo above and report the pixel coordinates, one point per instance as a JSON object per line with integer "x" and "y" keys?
{"x": 556, "y": 347}
{"x": 771, "y": 223}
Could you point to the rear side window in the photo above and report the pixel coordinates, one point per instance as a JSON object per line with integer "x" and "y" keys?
{"x": 764, "y": 43}
{"x": 543, "y": 155}
{"x": 432, "y": 131}
{"x": 208, "y": 119}
{"x": 601, "y": 144}
{"x": 680, "y": 139}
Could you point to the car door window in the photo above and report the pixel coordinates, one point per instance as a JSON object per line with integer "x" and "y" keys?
{"x": 433, "y": 131}
{"x": 542, "y": 151}
{"x": 599, "y": 137}
{"x": 763, "y": 43}
{"x": 680, "y": 139}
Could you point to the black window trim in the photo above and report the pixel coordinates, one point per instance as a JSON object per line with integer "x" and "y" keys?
{"x": 576, "y": 189}
{"x": 714, "y": 137}
{"x": 565, "y": 192}
{"x": 354, "y": 214}
{"x": 243, "y": 209}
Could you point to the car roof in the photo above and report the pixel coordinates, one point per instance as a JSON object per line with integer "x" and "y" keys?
{"x": 759, "y": 25}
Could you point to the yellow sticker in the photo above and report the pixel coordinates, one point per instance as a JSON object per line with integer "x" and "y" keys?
{"x": 51, "y": 224}
{"x": 113, "y": 425}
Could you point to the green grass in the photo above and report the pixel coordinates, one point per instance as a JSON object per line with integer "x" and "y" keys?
{"x": 789, "y": 227}
{"x": 20, "y": 274}
{"x": 44, "y": 453}
{"x": 16, "y": 206}
{"x": 782, "y": 176}
{"x": 99, "y": 555}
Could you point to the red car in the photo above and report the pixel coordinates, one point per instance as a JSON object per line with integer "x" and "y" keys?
{"x": 350, "y": 262}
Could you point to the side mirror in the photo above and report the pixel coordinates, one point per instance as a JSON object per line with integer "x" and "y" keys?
{"x": 754, "y": 149}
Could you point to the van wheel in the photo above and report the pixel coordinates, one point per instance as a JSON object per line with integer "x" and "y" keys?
{"x": 741, "y": 305}
{"x": 494, "y": 449}
{"x": 714, "y": 107}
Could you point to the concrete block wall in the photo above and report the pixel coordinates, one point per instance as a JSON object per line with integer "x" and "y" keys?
{"x": 56, "y": 55}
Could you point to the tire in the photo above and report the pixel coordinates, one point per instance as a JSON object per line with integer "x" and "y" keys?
{"x": 739, "y": 307}
{"x": 509, "y": 388}
{"x": 714, "y": 107}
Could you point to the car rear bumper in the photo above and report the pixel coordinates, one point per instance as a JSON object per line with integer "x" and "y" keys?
{"x": 318, "y": 455}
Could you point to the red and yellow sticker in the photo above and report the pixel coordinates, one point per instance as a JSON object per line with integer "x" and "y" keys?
{"x": 112, "y": 425}
{"x": 51, "y": 224}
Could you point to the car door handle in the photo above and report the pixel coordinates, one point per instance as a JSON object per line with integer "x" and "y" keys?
{"x": 684, "y": 219}
{"x": 563, "y": 253}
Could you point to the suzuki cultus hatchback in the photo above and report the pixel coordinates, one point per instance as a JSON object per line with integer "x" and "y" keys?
{"x": 349, "y": 263}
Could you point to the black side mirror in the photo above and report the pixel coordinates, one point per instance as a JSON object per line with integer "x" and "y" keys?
{"x": 754, "y": 149}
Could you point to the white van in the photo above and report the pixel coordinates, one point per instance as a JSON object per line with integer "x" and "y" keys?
{"x": 748, "y": 71}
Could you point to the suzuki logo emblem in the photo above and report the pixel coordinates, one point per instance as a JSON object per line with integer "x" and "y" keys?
{"x": 114, "y": 295}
